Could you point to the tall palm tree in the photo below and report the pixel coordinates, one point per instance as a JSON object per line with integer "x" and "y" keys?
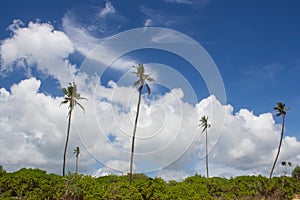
{"x": 71, "y": 97}
{"x": 141, "y": 82}
{"x": 205, "y": 125}
{"x": 281, "y": 110}
{"x": 76, "y": 152}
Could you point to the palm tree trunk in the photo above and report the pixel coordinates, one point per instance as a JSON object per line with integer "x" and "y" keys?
{"x": 279, "y": 147}
{"x": 76, "y": 165}
{"x": 134, "y": 131}
{"x": 206, "y": 155}
{"x": 66, "y": 145}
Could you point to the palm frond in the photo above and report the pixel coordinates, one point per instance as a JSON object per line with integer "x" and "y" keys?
{"x": 65, "y": 91}
{"x": 136, "y": 83}
{"x": 81, "y": 98}
{"x": 77, "y": 103}
{"x": 63, "y": 102}
{"x": 148, "y": 89}
{"x": 150, "y": 79}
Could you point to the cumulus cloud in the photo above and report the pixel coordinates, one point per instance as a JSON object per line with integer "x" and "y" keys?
{"x": 168, "y": 141}
{"x": 31, "y": 130}
{"x": 38, "y": 46}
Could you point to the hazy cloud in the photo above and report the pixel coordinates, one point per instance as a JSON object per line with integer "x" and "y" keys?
{"x": 107, "y": 10}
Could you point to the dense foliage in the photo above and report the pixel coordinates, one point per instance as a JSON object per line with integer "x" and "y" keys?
{"x": 296, "y": 173}
{"x": 37, "y": 184}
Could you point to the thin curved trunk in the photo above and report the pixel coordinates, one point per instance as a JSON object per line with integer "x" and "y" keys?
{"x": 67, "y": 140}
{"x": 134, "y": 131}
{"x": 279, "y": 147}
{"x": 206, "y": 155}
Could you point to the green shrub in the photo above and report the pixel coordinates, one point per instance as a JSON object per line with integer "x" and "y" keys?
{"x": 37, "y": 184}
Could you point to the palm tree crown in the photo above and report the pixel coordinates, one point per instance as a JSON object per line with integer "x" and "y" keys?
{"x": 143, "y": 78}
{"x": 204, "y": 123}
{"x": 76, "y": 152}
{"x": 72, "y": 97}
{"x": 280, "y": 107}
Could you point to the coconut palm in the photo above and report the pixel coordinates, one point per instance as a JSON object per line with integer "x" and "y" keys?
{"x": 141, "y": 82}
{"x": 281, "y": 110}
{"x": 71, "y": 98}
{"x": 285, "y": 165}
{"x": 76, "y": 152}
{"x": 205, "y": 125}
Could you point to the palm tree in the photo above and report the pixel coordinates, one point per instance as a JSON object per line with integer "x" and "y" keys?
{"x": 71, "y": 97}
{"x": 141, "y": 82}
{"x": 285, "y": 165}
{"x": 76, "y": 152}
{"x": 281, "y": 110}
{"x": 205, "y": 125}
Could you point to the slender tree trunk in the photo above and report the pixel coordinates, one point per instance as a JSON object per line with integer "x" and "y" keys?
{"x": 206, "y": 155}
{"x": 134, "y": 131}
{"x": 279, "y": 147}
{"x": 76, "y": 165}
{"x": 66, "y": 145}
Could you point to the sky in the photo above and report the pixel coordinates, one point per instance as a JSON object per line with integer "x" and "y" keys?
{"x": 229, "y": 60}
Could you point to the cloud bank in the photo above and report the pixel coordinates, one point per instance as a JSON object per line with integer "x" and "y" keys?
{"x": 168, "y": 140}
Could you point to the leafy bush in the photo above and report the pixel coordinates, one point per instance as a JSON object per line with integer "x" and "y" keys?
{"x": 37, "y": 184}
{"x": 296, "y": 173}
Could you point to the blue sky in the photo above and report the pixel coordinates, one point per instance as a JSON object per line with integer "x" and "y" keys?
{"x": 254, "y": 44}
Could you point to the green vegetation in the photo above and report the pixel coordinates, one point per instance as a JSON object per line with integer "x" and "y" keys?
{"x": 37, "y": 184}
{"x": 296, "y": 173}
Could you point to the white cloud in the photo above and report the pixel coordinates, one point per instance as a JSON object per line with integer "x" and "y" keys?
{"x": 190, "y": 2}
{"x": 88, "y": 45}
{"x": 179, "y": 1}
{"x": 114, "y": 164}
{"x": 38, "y": 46}
{"x": 158, "y": 17}
{"x": 107, "y": 10}
{"x": 165, "y": 36}
{"x": 167, "y": 134}
{"x": 148, "y": 22}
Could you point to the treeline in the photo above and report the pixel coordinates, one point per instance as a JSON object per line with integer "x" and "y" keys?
{"x": 37, "y": 184}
